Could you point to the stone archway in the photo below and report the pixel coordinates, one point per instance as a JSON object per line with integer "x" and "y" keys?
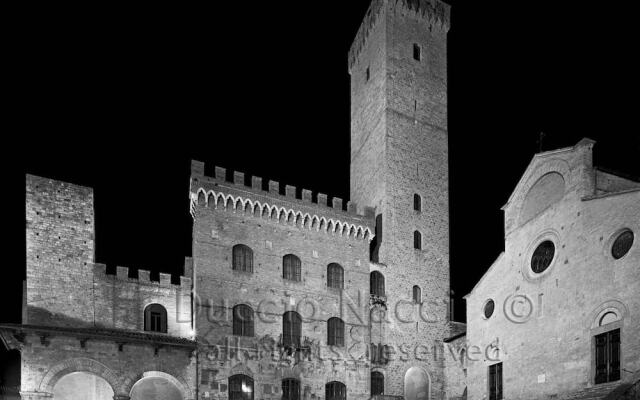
{"x": 165, "y": 384}
{"x": 86, "y": 365}
{"x": 82, "y": 386}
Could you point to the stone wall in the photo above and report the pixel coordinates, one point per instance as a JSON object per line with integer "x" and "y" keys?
{"x": 47, "y": 360}
{"x": 543, "y": 325}
{"x": 60, "y": 253}
{"x": 329, "y": 235}
{"x": 398, "y": 149}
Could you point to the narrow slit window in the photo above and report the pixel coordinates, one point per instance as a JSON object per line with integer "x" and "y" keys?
{"x": 417, "y": 52}
{"x": 368, "y": 74}
{"x": 417, "y": 240}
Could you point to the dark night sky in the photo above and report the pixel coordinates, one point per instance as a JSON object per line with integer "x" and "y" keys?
{"x": 122, "y": 99}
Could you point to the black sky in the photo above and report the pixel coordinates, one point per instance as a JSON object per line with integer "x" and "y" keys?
{"x": 121, "y": 99}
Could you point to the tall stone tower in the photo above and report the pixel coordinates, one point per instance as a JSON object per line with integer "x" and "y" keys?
{"x": 399, "y": 164}
{"x": 60, "y": 253}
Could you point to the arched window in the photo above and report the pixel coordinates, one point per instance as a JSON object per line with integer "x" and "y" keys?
{"x": 291, "y": 329}
{"x": 335, "y": 391}
{"x": 155, "y": 318}
{"x": 376, "y": 283}
{"x": 417, "y": 240}
{"x": 242, "y": 258}
{"x": 290, "y": 389}
{"x": 335, "y": 276}
{"x": 417, "y": 294}
{"x": 335, "y": 332}
{"x": 417, "y": 202}
{"x": 242, "y": 320}
{"x": 377, "y": 383}
{"x": 240, "y": 387}
{"x": 291, "y": 266}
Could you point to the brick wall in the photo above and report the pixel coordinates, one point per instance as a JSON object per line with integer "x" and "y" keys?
{"x": 217, "y": 228}
{"x": 399, "y": 148}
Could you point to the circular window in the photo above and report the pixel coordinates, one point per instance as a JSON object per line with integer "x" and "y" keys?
{"x": 622, "y": 244}
{"x": 489, "y": 306}
{"x": 542, "y": 256}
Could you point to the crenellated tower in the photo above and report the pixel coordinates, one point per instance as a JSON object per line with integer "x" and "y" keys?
{"x": 399, "y": 165}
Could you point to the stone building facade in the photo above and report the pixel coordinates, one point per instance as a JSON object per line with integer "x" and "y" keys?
{"x": 558, "y": 311}
{"x": 83, "y": 333}
{"x": 288, "y": 296}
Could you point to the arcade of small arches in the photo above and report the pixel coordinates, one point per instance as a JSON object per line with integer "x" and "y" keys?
{"x": 281, "y": 214}
{"x": 88, "y": 379}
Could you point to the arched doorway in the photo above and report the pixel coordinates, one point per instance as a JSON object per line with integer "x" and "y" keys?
{"x": 82, "y": 386}
{"x": 417, "y": 384}
{"x": 155, "y": 388}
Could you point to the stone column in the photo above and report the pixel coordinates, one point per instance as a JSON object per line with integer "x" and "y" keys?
{"x": 36, "y": 396}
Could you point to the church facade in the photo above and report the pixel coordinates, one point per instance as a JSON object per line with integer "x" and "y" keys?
{"x": 288, "y": 295}
{"x": 559, "y": 308}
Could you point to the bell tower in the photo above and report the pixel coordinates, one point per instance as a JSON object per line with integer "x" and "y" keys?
{"x": 399, "y": 165}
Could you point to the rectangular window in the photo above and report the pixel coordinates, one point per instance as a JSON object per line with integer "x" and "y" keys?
{"x": 495, "y": 381}
{"x": 156, "y": 322}
{"x": 607, "y": 353}
{"x": 417, "y": 52}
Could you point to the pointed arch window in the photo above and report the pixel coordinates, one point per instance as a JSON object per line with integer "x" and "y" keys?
{"x": 291, "y": 267}
{"x": 291, "y": 329}
{"x": 243, "y": 320}
{"x": 376, "y": 283}
{"x": 335, "y": 276}
{"x": 155, "y": 318}
{"x": 335, "y": 332}
{"x": 242, "y": 258}
{"x": 417, "y": 240}
{"x": 240, "y": 387}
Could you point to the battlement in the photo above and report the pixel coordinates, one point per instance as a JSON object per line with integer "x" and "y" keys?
{"x": 144, "y": 277}
{"x": 435, "y": 13}
{"x": 217, "y": 192}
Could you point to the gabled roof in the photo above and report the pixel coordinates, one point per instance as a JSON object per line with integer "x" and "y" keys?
{"x": 537, "y": 158}
{"x": 497, "y": 260}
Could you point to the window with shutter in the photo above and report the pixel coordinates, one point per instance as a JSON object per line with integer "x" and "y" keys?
{"x": 242, "y": 258}
{"x": 291, "y": 329}
{"x": 155, "y": 318}
{"x": 335, "y": 276}
{"x": 495, "y": 381}
{"x": 290, "y": 389}
{"x": 335, "y": 332}
{"x": 335, "y": 391}
{"x": 291, "y": 267}
{"x": 607, "y": 355}
{"x": 377, "y": 383}
{"x": 243, "y": 320}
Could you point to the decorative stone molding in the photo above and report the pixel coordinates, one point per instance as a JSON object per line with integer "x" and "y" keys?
{"x": 217, "y": 200}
